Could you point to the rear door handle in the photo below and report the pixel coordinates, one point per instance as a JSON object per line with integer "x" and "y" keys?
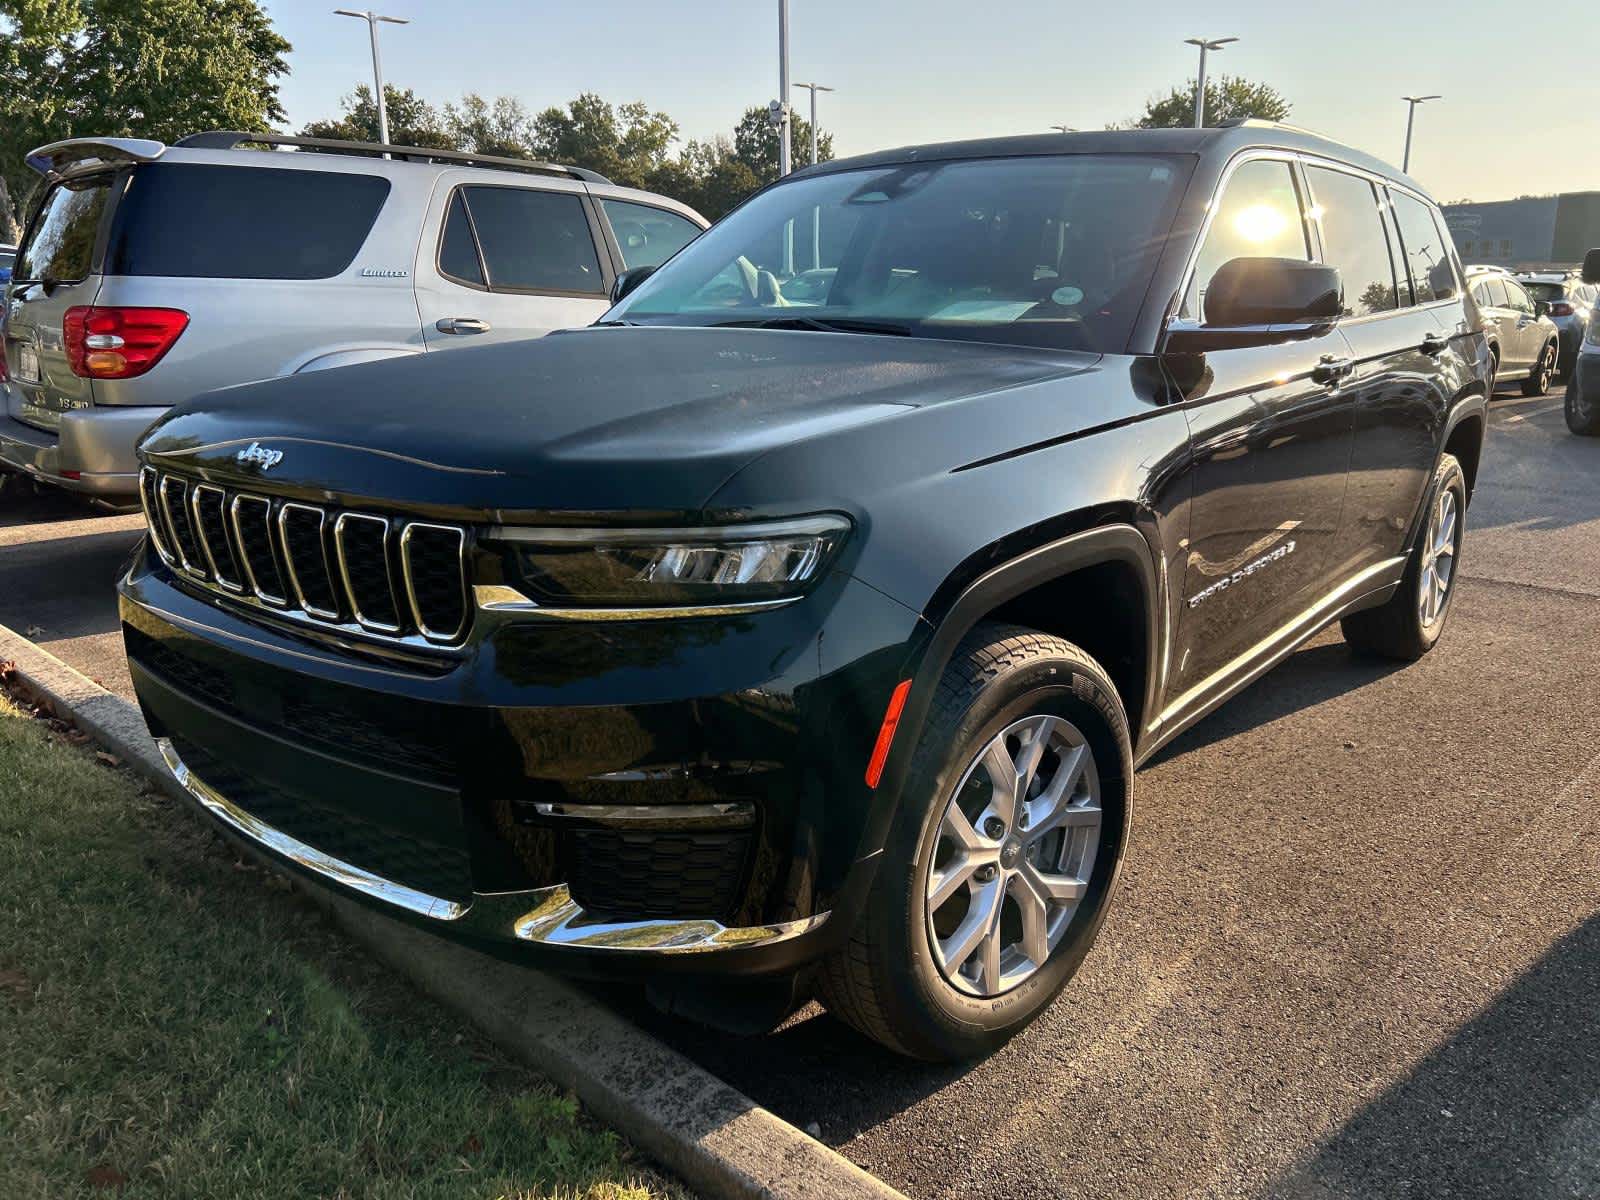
{"x": 1330, "y": 369}
{"x": 1434, "y": 344}
{"x": 461, "y": 325}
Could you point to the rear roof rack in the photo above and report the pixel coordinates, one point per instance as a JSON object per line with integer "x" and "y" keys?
{"x": 232, "y": 139}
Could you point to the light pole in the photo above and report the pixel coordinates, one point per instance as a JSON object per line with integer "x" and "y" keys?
{"x": 816, "y": 212}
{"x": 784, "y": 127}
{"x": 814, "y": 88}
{"x": 1200, "y": 80}
{"x": 1411, "y": 118}
{"x": 372, "y": 19}
{"x": 1065, "y": 128}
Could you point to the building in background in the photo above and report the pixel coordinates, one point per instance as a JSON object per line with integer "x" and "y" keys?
{"x": 1535, "y": 231}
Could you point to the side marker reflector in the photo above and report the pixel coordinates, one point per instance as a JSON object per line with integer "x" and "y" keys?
{"x": 891, "y": 718}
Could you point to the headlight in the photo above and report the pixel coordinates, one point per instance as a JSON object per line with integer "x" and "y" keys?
{"x": 656, "y": 568}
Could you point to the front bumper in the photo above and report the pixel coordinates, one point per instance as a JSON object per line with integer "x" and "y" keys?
{"x": 92, "y": 452}
{"x": 688, "y": 796}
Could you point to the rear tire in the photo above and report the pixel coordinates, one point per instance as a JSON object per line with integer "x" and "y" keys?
{"x": 1410, "y": 623}
{"x": 1544, "y": 372}
{"x": 900, "y": 978}
{"x": 1583, "y": 415}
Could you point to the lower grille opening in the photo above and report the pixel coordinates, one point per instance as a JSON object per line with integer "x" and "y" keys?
{"x": 645, "y": 874}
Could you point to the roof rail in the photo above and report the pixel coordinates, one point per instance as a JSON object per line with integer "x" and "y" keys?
{"x": 231, "y": 139}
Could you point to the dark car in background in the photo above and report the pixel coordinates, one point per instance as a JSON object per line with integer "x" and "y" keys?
{"x": 1582, "y": 400}
{"x": 1568, "y": 301}
{"x": 801, "y": 626}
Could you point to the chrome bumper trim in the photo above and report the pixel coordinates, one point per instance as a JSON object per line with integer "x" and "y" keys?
{"x": 326, "y": 865}
{"x": 555, "y": 918}
{"x": 736, "y": 814}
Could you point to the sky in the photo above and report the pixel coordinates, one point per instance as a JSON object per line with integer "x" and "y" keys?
{"x": 1515, "y": 118}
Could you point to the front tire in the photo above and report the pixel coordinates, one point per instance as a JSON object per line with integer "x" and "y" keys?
{"x": 1543, "y": 374}
{"x": 1583, "y": 414}
{"x": 1003, "y": 855}
{"x": 1410, "y": 623}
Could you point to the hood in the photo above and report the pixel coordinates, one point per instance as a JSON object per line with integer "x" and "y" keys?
{"x": 605, "y": 419}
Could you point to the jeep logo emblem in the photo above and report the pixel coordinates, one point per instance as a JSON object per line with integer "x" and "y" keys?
{"x": 259, "y": 455}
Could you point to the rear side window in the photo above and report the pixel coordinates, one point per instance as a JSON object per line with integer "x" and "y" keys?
{"x": 1494, "y": 292}
{"x": 1258, "y": 216}
{"x": 458, "y": 249}
{"x": 217, "y": 222}
{"x": 60, "y": 246}
{"x": 1353, "y": 240}
{"x": 648, "y": 236}
{"x": 1425, "y": 250}
{"x": 531, "y": 240}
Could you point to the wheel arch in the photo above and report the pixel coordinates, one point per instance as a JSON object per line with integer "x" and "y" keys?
{"x": 1464, "y": 436}
{"x": 1117, "y": 556}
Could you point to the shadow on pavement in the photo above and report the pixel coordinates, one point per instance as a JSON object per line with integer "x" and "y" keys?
{"x": 1510, "y": 1106}
{"x": 1306, "y": 678}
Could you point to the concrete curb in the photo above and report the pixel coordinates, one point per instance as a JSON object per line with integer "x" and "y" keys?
{"x": 711, "y": 1135}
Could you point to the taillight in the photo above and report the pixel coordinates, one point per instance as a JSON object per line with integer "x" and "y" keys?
{"x": 1560, "y": 308}
{"x": 105, "y": 342}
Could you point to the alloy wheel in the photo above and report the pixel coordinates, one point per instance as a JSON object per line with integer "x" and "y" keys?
{"x": 1438, "y": 559}
{"x": 1547, "y": 369}
{"x": 1014, "y": 854}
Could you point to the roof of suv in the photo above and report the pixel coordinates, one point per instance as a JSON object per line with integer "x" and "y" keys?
{"x": 1221, "y": 139}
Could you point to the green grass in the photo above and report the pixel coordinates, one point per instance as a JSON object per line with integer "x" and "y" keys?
{"x": 174, "y": 1023}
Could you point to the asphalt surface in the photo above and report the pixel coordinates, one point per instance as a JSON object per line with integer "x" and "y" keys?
{"x": 1357, "y": 952}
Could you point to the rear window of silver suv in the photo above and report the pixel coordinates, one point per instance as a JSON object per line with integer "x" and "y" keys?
{"x": 226, "y": 222}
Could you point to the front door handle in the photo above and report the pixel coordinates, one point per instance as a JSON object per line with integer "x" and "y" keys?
{"x": 1434, "y": 344}
{"x": 461, "y": 325}
{"x": 1330, "y": 369}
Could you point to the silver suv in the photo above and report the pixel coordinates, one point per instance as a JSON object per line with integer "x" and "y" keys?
{"x": 150, "y": 273}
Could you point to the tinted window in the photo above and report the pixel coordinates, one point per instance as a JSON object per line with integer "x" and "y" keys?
{"x": 458, "y": 250}
{"x": 61, "y": 243}
{"x": 535, "y": 241}
{"x": 647, "y": 236}
{"x": 217, "y": 222}
{"x": 1257, "y": 217}
{"x": 1425, "y": 250}
{"x": 1546, "y": 291}
{"x": 1353, "y": 240}
{"x": 1053, "y": 251}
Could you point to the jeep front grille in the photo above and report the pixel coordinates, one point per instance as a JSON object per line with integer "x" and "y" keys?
{"x": 354, "y": 572}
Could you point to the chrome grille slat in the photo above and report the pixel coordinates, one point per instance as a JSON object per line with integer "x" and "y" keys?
{"x": 385, "y": 578}
{"x": 372, "y": 601}
{"x": 176, "y": 511}
{"x": 428, "y": 600}
{"x": 208, "y": 504}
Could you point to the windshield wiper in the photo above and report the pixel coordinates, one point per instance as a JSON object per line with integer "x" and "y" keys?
{"x": 821, "y": 324}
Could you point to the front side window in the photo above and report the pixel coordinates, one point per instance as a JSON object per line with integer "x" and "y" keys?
{"x": 1353, "y": 239}
{"x": 1424, "y": 250}
{"x": 60, "y": 246}
{"x": 1258, "y": 216}
{"x": 1517, "y": 299}
{"x": 214, "y": 222}
{"x": 533, "y": 240}
{"x": 1049, "y": 251}
{"x": 646, "y": 235}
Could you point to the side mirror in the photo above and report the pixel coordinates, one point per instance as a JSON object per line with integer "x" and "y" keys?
{"x": 1591, "y": 267}
{"x": 1256, "y": 301}
{"x": 628, "y": 281}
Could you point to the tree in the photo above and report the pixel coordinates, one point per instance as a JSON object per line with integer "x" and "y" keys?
{"x": 120, "y": 68}
{"x": 412, "y": 120}
{"x": 503, "y": 127}
{"x": 755, "y": 143}
{"x": 1227, "y": 97}
{"x": 626, "y": 144}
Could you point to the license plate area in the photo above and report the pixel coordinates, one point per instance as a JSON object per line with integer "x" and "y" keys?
{"x": 27, "y": 362}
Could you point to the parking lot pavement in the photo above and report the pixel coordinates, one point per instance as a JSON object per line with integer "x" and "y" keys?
{"x": 58, "y": 561}
{"x": 1359, "y": 941}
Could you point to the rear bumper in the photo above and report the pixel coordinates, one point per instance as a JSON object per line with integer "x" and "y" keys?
{"x": 91, "y": 453}
{"x": 499, "y": 801}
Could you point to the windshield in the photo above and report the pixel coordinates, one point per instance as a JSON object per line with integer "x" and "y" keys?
{"x": 1052, "y": 251}
{"x": 1545, "y": 291}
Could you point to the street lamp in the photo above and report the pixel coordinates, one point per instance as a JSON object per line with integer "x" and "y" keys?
{"x": 1411, "y": 117}
{"x": 372, "y": 19}
{"x": 1200, "y": 80}
{"x": 814, "y": 88}
{"x": 1065, "y": 128}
